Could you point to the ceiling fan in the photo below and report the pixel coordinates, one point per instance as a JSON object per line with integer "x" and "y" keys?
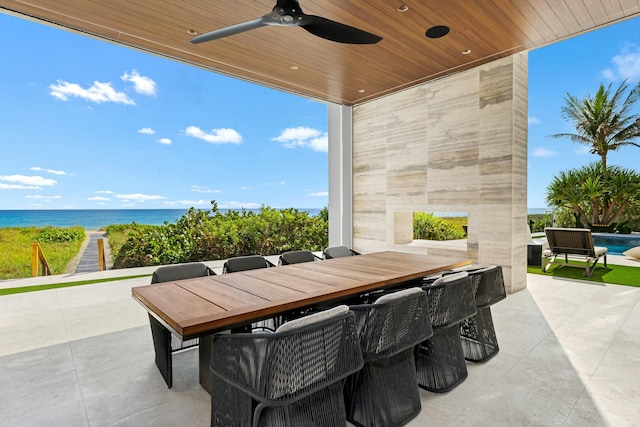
{"x": 287, "y": 13}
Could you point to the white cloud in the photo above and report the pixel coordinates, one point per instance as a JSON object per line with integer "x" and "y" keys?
{"x": 244, "y": 187}
{"x": 103, "y": 192}
{"x": 609, "y": 74}
{"x": 583, "y": 149}
{"x": 534, "y": 121}
{"x": 282, "y": 183}
{"x": 543, "y": 152}
{"x": 187, "y": 203}
{"x": 137, "y": 197}
{"x": 147, "y": 131}
{"x": 4, "y": 186}
{"x": 29, "y": 180}
{"x": 304, "y": 137}
{"x": 165, "y": 141}
{"x": 98, "y": 92}
{"x": 141, "y": 84}
{"x": 52, "y": 171}
{"x": 98, "y": 199}
{"x": 39, "y": 197}
{"x": 199, "y": 189}
{"x": 216, "y": 136}
{"x": 626, "y": 65}
{"x": 238, "y": 205}
{"x": 319, "y": 194}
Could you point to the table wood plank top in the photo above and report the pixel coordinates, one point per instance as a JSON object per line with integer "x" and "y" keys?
{"x": 205, "y": 305}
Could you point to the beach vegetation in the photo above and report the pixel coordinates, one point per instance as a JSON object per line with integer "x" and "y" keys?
{"x": 427, "y": 226}
{"x": 601, "y": 201}
{"x": 211, "y": 235}
{"x": 59, "y": 245}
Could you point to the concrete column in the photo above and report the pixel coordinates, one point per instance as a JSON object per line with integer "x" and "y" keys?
{"x": 340, "y": 176}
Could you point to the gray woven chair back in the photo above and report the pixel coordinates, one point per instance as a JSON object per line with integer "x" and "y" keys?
{"x": 488, "y": 285}
{"x": 394, "y": 323}
{"x": 293, "y": 376}
{"x": 169, "y": 273}
{"x": 244, "y": 263}
{"x": 337, "y": 252}
{"x": 451, "y": 299}
{"x": 296, "y": 257}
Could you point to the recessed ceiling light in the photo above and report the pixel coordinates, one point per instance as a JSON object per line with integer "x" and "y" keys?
{"x": 294, "y": 67}
{"x": 466, "y": 52}
{"x": 191, "y": 32}
{"x": 403, "y": 8}
{"x": 361, "y": 90}
{"x": 437, "y": 31}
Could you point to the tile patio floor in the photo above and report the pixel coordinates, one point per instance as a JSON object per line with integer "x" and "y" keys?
{"x": 83, "y": 356}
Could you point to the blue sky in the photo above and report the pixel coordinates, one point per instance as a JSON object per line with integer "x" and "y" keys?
{"x": 577, "y": 66}
{"x": 87, "y": 124}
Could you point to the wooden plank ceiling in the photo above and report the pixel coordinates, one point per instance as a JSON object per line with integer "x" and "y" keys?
{"x": 293, "y": 60}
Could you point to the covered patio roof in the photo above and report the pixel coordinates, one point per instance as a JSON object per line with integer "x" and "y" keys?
{"x": 296, "y": 61}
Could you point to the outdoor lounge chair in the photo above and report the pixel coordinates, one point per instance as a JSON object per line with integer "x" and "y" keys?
{"x": 292, "y": 377}
{"x": 384, "y": 393}
{"x": 164, "y": 341}
{"x": 576, "y": 243}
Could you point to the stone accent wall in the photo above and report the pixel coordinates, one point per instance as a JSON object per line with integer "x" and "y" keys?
{"x": 458, "y": 144}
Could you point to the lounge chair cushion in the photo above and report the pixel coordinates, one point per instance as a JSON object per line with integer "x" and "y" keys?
{"x": 633, "y": 252}
{"x": 599, "y": 250}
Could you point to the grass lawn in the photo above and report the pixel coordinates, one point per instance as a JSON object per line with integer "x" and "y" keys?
{"x": 614, "y": 274}
{"x": 15, "y": 250}
{"x": 23, "y": 289}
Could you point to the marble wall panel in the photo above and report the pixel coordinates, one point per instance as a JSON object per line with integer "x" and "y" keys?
{"x": 455, "y": 144}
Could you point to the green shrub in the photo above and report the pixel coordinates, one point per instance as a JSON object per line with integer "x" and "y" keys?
{"x": 53, "y": 234}
{"x": 209, "y": 235}
{"x": 427, "y": 226}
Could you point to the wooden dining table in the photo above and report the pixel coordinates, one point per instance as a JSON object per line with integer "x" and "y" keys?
{"x": 202, "y": 306}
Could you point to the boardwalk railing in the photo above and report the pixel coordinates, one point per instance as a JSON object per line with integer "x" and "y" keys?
{"x": 37, "y": 260}
{"x": 102, "y": 264}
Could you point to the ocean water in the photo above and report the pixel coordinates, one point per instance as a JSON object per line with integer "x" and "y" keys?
{"x": 94, "y": 219}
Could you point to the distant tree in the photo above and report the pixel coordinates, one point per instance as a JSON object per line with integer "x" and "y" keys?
{"x": 604, "y": 121}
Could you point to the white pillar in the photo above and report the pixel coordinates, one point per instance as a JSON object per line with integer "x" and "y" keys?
{"x": 340, "y": 176}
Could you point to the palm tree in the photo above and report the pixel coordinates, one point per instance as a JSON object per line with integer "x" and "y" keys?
{"x": 603, "y": 122}
{"x": 593, "y": 197}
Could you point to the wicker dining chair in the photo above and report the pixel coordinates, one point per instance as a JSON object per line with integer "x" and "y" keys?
{"x": 384, "y": 392}
{"x": 245, "y": 263}
{"x": 478, "y": 334}
{"x": 164, "y": 341}
{"x": 297, "y": 257}
{"x": 440, "y": 359}
{"x": 292, "y": 377}
{"x": 338, "y": 252}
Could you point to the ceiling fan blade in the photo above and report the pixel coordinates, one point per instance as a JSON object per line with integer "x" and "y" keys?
{"x": 233, "y": 29}
{"x": 337, "y": 32}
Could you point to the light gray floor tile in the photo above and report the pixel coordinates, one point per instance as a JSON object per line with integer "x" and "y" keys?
{"x": 83, "y": 356}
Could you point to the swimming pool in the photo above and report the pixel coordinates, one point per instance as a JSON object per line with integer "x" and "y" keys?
{"x": 616, "y": 243}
